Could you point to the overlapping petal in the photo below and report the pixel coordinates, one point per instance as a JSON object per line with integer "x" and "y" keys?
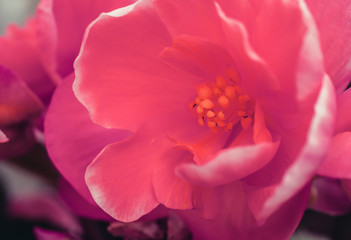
{"x": 120, "y": 177}
{"x": 68, "y": 128}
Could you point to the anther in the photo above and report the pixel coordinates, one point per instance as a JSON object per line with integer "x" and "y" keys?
{"x": 223, "y": 101}
{"x": 221, "y": 82}
{"x": 246, "y": 122}
{"x": 241, "y": 113}
{"x": 199, "y": 110}
{"x": 216, "y": 91}
{"x": 201, "y": 121}
{"x": 204, "y": 92}
{"x": 230, "y": 92}
{"x": 211, "y": 124}
{"x": 210, "y": 114}
{"x": 207, "y": 104}
{"x": 221, "y": 115}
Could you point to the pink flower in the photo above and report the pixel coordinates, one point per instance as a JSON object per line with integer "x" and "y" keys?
{"x": 224, "y": 107}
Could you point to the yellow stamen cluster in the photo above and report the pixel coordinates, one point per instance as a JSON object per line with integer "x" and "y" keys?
{"x": 221, "y": 104}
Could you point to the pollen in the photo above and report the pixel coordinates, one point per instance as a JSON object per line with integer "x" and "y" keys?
{"x": 221, "y": 104}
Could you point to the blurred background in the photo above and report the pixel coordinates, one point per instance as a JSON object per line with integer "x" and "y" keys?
{"x": 15, "y": 11}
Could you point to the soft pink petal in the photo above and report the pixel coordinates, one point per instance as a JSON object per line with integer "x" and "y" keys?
{"x": 343, "y": 117}
{"x": 337, "y": 163}
{"x": 120, "y": 178}
{"x": 230, "y": 164}
{"x": 286, "y": 30}
{"x": 3, "y": 137}
{"x": 67, "y": 21}
{"x": 19, "y": 51}
{"x": 72, "y": 140}
{"x": 170, "y": 190}
{"x": 17, "y": 101}
{"x": 333, "y": 19}
{"x": 198, "y": 18}
{"x": 330, "y": 197}
{"x": 306, "y": 163}
{"x": 256, "y": 77}
{"x": 129, "y": 71}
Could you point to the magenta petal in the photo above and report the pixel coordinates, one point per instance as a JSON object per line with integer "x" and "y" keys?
{"x": 312, "y": 154}
{"x": 120, "y": 178}
{"x": 3, "y": 137}
{"x": 333, "y": 18}
{"x": 330, "y": 197}
{"x": 67, "y": 21}
{"x": 230, "y": 164}
{"x": 72, "y": 140}
{"x": 17, "y": 101}
{"x": 337, "y": 163}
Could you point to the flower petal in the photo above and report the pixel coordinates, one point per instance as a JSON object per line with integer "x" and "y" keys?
{"x": 333, "y": 18}
{"x": 230, "y": 164}
{"x": 236, "y": 221}
{"x": 170, "y": 190}
{"x": 72, "y": 140}
{"x": 337, "y": 162}
{"x": 122, "y": 60}
{"x": 120, "y": 177}
{"x": 285, "y": 183}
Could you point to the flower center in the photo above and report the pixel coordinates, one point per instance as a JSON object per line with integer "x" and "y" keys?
{"x": 222, "y": 104}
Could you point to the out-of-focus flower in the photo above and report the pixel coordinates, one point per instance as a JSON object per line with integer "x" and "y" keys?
{"x": 227, "y": 107}
{"x": 39, "y": 56}
{"x": 44, "y": 234}
{"x": 29, "y": 197}
{"x": 3, "y": 137}
{"x": 25, "y": 87}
